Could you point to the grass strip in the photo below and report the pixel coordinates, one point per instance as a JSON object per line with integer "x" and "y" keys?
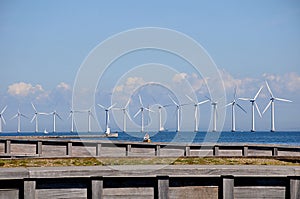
{"x": 58, "y": 162}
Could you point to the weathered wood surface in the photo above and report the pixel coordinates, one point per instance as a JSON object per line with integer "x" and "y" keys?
{"x": 87, "y": 148}
{"x": 151, "y": 181}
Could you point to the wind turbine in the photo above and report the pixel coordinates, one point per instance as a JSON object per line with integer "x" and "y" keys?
{"x": 141, "y": 111}
{"x": 19, "y": 115}
{"x": 89, "y": 112}
{"x": 2, "y": 120}
{"x": 214, "y": 110}
{"x": 253, "y": 103}
{"x": 71, "y": 115}
{"x": 107, "y": 109}
{"x": 125, "y": 114}
{"x": 55, "y": 114}
{"x": 196, "y": 105}
{"x": 160, "y": 127}
{"x": 233, "y": 103}
{"x": 35, "y": 117}
{"x": 272, "y": 104}
{"x": 178, "y": 109}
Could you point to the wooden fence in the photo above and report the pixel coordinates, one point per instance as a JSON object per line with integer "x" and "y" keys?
{"x": 86, "y": 148}
{"x": 151, "y": 181}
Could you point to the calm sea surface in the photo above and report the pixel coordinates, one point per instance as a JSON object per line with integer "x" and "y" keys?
{"x": 286, "y": 138}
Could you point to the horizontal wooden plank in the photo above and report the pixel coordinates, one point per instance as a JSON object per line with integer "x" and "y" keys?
{"x": 259, "y": 192}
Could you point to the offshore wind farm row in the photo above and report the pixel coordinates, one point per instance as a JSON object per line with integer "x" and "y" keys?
{"x": 141, "y": 109}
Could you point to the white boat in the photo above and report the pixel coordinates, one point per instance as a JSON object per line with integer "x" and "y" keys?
{"x": 45, "y": 131}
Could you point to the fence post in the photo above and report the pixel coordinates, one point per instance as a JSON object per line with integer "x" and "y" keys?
{"x": 245, "y": 151}
{"x": 39, "y": 147}
{"x": 157, "y": 150}
{"x": 216, "y": 150}
{"x": 69, "y": 149}
{"x": 227, "y": 187}
{"x": 187, "y": 151}
{"x": 98, "y": 149}
{"x": 7, "y": 146}
{"x": 29, "y": 189}
{"x": 97, "y": 188}
{"x": 294, "y": 188}
{"x": 275, "y": 151}
{"x": 162, "y": 188}
{"x": 128, "y": 149}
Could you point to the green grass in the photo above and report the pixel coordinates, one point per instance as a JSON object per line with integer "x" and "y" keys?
{"x": 51, "y": 162}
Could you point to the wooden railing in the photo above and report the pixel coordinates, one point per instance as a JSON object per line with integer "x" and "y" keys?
{"x": 78, "y": 148}
{"x": 151, "y": 181}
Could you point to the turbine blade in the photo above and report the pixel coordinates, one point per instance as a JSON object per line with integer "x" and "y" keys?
{"x": 127, "y": 103}
{"x": 138, "y": 112}
{"x": 141, "y": 102}
{"x": 13, "y": 117}
{"x": 41, "y": 113}
{"x": 268, "y": 87}
{"x": 191, "y": 99}
{"x": 258, "y": 92}
{"x": 112, "y": 106}
{"x": 33, "y": 118}
{"x": 173, "y": 100}
{"x": 167, "y": 105}
{"x": 203, "y": 102}
{"x": 283, "y": 100}
{"x": 234, "y": 93}
{"x": 244, "y": 99}
{"x": 101, "y": 106}
{"x": 208, "y": 98}
{"x": 241, "y": 108}
{"x": 3, "y": 110}
{"x": 69, "y": 115}
{"x": 33, "y": 107}
{"x": 267, "y": 107}
{"x": 24, "y": 116}
{"x": 58, "y": 116}
{"x": 92, "y": 115}
{"x": 149, "y": 110}
{"x": 3, "y": 120}
{"x": 127, "y": 114}
{"x": 228, "y": 104}
{"x": 257, "y": 109}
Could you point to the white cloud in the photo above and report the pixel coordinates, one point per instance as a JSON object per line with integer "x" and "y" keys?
{"x": 179, "y": 77}
{"x": 63, "y": 86}
{"x": 24, "y": 89}
{"x": 129, "y": 84}
{"x": 282, "y": 83}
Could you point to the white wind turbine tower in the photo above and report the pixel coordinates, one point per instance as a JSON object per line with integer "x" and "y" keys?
{"x": 35, "y": 117}
{"x": 161, "y": 128}
{"x": 141, "y": 111}
{"x": 55, "y": 114}
{"x": 253, "y": 103}
{"x": 160, "y": 125}
{"x": 178, "y": 109}
{"x": 2, "y": 120}
{"x": 214, "y": 110}
{"x": 107, "y": 109}
{"x": 272, "y": 104}
{"x": 125, "y": 114}
{"x": 19, "y": 115}
{"x": 233, "y": 103}
{"x": 71, "y": 115}
{"x": 196, "y": 105}
{"x": 89, "y": 112}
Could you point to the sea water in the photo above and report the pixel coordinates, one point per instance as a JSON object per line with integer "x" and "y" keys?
{"x": 258, "y": 137}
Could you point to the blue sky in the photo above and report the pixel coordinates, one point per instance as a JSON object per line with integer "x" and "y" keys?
{"x": 43, "y": 44}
